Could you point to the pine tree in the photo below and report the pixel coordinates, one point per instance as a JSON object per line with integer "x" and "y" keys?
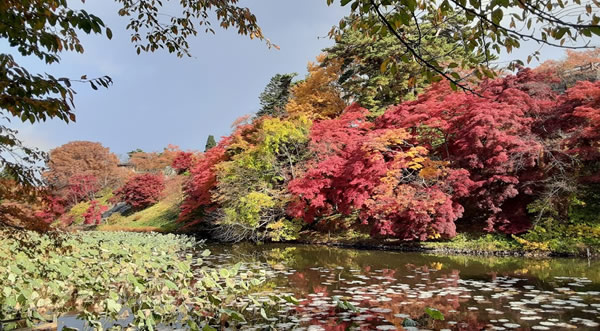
{"x": 276, "y": 94}
{"x": 210, "y": 143}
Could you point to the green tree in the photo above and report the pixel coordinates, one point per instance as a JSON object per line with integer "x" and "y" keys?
{"x": 46, "y": 28}
{"x": 276, "y": 95}
{"x": 492, "y": 27}
{"x": 252, "y": 186}
{"x": 210, "y": 143}
{"x": 365, "y": 74}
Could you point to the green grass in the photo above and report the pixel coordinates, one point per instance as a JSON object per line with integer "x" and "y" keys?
{"x": 161, "y": 217}
{"x": 477, "y": 242}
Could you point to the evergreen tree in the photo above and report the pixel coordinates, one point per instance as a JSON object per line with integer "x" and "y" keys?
{"x": 210, "y": 143}
{"x": 276, "y": 94}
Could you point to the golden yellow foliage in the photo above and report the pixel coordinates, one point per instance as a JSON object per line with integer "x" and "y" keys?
{"x": 317, "y": 96}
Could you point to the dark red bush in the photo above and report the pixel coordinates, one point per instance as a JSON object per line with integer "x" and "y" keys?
{"x": 93, "y": 215}
{"x": 183, "y": 161}
{"x": 142, "y": 190}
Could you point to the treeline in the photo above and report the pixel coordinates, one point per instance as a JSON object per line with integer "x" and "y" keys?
{"x": 421, "y": 161}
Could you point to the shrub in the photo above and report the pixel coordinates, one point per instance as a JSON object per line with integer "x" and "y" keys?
{"x": 93, "y": 215}
{"x": 183, "y": 162}
{"x": 141, "y": 191}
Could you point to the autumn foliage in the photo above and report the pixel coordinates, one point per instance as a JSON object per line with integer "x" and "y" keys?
{"x": 93, "y": 215}
{"x": 154, "y": 161}
{"x": 141, "y": 191}
{"x": 419, "y": 171}
{"x": 520, "y": 148}
{"x": 183, "y": 161}
{"x": 88, "y": 161}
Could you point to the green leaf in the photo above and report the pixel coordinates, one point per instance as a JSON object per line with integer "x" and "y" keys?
{"x": 291, "y": 299}
{"x": 171, "y": 285}
{"x": 384, "y": 65}
{"x": 434, "y": 313}
{"x": 224, "y": 273}
{"x": 263, "y": 313}
{"x": 205, "y": 253}
{"x": 113, "y": 306}
{"x": 497, "y": 16}
{"x": 236, "y": 316}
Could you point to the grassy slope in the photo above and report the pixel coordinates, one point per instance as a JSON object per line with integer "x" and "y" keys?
{"x": 160, "y": 217}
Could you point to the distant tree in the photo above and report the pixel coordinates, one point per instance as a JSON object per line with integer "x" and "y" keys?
{"x": 81, "y": 158}
{"x": 210, "y": 143}
{"x": 93, "y": 215}
{"x": 45, "y": 28}
{"x": 154, "y": 161}
{"x": 276, "y": 94}
{"x": 82, "y": 187}
{"x": 318, "y": 96}
{"x": 574, "y": 67}
{"x": 137, "y": 150}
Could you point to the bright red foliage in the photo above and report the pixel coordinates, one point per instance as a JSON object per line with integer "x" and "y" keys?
{"x": 141, "y": 190}
{"x": 585, "y": 141}
{"x": 93, "y": 215}
{"x": 382, "y": 174}
{"x": 203, "y": 179}
{"x": 53, "y": 208}
{"x": 82, "y": 187}
{"x": 183, "y": 161}
{"x": 448, "y": 156}
{"x": 481, "y": 154}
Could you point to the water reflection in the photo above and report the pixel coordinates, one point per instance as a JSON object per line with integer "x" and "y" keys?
{"x": 390, "y": 289}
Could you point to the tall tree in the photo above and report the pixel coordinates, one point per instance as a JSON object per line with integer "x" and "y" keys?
{"x": 79, "y": 158}
{"x": 276, "y": 94}
{"x": 210, "y": 143}
{"x": 494, "y": 27}
{"x": 318, "y": 96}
{"x": 366, "y": 75}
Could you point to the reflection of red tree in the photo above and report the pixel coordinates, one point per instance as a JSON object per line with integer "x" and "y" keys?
{"x": 327, "y": 315}
{"x": 320, "y": 289}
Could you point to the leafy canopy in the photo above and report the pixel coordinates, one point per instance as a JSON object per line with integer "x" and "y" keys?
{"x": 491, "y": 27}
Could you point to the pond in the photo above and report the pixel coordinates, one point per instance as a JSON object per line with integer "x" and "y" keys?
{"x": 387, "y": 288}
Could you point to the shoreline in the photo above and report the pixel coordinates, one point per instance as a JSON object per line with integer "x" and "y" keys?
{"x": 443, "y": 248}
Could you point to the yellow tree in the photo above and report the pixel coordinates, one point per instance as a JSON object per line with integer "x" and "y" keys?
{"x": 318, "y": 96}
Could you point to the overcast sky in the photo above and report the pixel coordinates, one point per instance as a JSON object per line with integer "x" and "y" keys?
{"x": 158, "y": 99}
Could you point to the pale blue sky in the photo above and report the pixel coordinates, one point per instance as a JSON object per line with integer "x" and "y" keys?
{"x": 159, "y": 99}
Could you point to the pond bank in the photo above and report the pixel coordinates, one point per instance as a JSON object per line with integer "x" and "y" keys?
{"x": 463, "y": 244}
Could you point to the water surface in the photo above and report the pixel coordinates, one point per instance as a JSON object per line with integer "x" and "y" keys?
{"x": 473, "y": 293}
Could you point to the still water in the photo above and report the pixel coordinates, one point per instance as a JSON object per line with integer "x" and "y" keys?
{"x": 387, "y": 288}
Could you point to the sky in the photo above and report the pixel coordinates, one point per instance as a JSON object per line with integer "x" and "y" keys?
{"x": 158, "y": 99}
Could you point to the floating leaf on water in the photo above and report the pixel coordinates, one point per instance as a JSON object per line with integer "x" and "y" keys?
{"x": 408, "y": 322}
{"x": 434, "y": 314}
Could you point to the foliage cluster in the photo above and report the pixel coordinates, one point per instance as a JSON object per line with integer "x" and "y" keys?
{"x": 104, "y": 275}
{"x": 141, "y": 190}
{"x": 418, "y": 171}
{"x": 242, "y": 181}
